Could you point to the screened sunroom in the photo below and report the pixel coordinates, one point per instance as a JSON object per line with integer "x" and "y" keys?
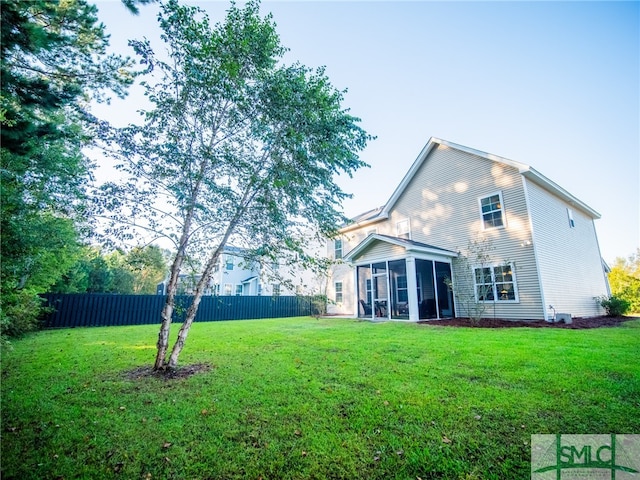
{"x": 399, "y": 279}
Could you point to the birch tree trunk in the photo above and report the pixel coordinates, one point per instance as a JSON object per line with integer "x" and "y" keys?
{"x": 167, "y": 313}
{"x": 204, "y": 280}
{"x": 167, "y": 310}
{"x": 193, "y": 310}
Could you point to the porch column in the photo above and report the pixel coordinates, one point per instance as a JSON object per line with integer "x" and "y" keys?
{"x": 354, "y": 293}
{"x": 412, "y": 293}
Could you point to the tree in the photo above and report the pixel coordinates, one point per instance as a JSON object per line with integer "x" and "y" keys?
{"x": 624, "y": 280}
{"x": 471, "y": 292}
{"x": 135, "y": 272}
{"x": 237, "y": 147}
{"x": 148, "y": 267}
{"x": 53, "y": 62}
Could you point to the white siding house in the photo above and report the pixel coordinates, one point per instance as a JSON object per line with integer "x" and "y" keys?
{"x": 416, "y": 257}
{"x": 237, "y": 274}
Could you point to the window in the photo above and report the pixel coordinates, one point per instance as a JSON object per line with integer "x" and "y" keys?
{"x": 229, "y": 263}
{"x": 572, "y": 224}
{"x": 239, "y": 289}
{"x": 227, "y": 289}
{"x": 495, "y": 283}
{"x": 492, "y": 211}
{"x": 403, "y": 229}
{"x": 338, "y": 286}
{"x": 276, "y": 289}
{"x": 337, "y": 246}
{"x": 401, "y": 289}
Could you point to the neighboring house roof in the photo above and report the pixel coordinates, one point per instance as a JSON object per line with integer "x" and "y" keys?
{"x": 365, "y": 217}
{"x": 231, "y": 250}
{"x": 382, "y": 213}
{"x": 409, "y": 245}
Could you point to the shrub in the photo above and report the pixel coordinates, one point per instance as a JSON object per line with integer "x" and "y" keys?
{"x": 614, "y": 306}
{"x": 19, "y": 313}
{"x": 318, "y": 305}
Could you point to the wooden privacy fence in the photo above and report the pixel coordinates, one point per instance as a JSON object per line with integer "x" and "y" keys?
{"x": 92, "y": 310}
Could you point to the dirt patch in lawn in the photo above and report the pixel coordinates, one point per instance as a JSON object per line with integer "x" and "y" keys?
{"x": 576, "y": 324}
{"x": 169, "y": 373}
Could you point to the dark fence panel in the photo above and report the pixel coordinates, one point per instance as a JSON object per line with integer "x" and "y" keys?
{"x": 92, "y": 310}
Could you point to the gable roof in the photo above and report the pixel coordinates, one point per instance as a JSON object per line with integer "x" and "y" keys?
{"x": 527, "y": 171}
{"x": 409, "y": 245}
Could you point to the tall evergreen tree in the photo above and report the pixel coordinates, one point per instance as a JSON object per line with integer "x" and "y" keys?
{"x": 53, "y": 63}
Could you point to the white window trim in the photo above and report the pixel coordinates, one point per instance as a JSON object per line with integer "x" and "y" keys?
{"x": 335, "y": 289}
{"x": 572, "y": 222}
{"x": 502, "y": 211}
{"x": 405, "y": 289}
{"x": 335, "y": 249}
{"x": 493, "y": 283}
{"x": 408, "y": 222}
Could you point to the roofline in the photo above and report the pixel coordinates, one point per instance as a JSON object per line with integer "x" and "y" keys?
{"x": 524, "y": 169}
{"x": 364, "y": 223}
{"x": 539, "y": 179}
{"x": 409, "y": 248}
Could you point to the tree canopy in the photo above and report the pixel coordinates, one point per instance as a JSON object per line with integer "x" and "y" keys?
{"x": 237, "y": 147}
{"x": 53, "y": 63}
{"x": 137, "y": 271}
{"x": 624, "y": 279}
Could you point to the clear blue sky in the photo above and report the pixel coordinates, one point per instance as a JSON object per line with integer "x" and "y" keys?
{"x": 552, "y": 85}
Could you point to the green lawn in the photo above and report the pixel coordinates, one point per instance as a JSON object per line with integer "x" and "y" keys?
{"x": 306, "y": 398}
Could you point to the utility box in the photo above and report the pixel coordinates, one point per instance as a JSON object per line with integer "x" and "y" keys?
{"x": 563, "y": 317}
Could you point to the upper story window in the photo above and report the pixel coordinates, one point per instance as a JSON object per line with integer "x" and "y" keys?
{"x": 229, "y": 263}
{"x": 403, "y": 229}
{"x": 495, "y": 283}
{"x": 492, "y": 211}
{"x": 572, "y": 223}
{"x": 337, "y": 248}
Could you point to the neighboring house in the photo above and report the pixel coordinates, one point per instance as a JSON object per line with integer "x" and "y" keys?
{"x": 233, "y": 275}
{"x": 467, "y": 229}
{"x": 236, "y": 275}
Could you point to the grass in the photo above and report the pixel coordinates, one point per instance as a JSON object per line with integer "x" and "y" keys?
{"x": 306, "y": 398}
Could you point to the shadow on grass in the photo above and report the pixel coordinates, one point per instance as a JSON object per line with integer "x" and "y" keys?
{"x": 168, "y": 373}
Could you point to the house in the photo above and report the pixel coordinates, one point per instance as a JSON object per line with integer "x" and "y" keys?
{"x": 236, "y": 274}
{"x": 233, "y": 275}
{"x": 468, "y": 233}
